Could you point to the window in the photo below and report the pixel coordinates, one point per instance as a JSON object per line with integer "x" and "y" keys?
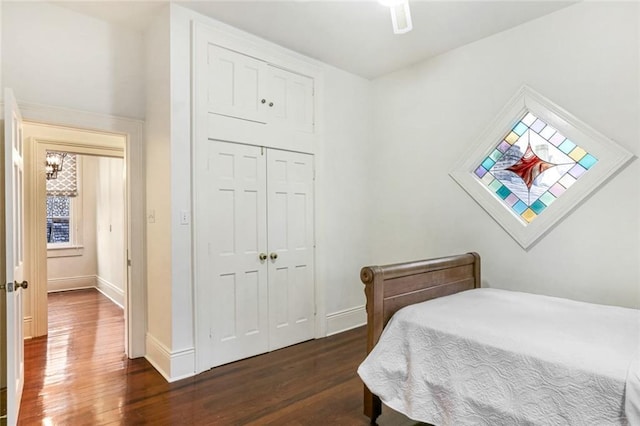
{"x": 534, "y": 164}
{"x": 64, "y": 210}
{"x": 58, "y": 219}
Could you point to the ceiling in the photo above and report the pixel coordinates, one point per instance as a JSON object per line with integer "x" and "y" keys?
{"x": 355, "y": 36}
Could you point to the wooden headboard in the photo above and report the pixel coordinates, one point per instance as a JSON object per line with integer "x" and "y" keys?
{"x": 391, "y": 287}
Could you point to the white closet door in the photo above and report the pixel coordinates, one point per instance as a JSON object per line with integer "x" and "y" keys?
{"x": 291, "y": 239}
{"x": 235, "y": 84}
{"x": 290, "y": 100}
{"x": 235, "y": 235}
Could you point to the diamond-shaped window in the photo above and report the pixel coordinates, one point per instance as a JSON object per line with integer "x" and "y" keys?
{"x": 534, "y": 164}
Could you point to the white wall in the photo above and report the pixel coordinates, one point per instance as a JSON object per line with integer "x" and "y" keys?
{"x": 1, "y": 94}
{"x": 55, "y": 56}
{"x": 181, "y": 273}
{"x": 586, "y": 59}
{"x": 158, "y": 190}
{"x": 345, "y": 233}
{"x": 109, "y": 228}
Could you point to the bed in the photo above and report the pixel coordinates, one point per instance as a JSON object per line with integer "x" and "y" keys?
{"x": 444, "y": 351}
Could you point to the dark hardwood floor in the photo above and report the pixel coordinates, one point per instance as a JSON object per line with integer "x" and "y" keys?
{"x": 78, "y": 375}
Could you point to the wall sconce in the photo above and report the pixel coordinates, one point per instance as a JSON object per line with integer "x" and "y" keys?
{"x": 400, "y": 15}
{"x": 53, "y": 164}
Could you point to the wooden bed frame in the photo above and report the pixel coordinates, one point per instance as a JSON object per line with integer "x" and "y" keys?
{"x": 391, "y": 287}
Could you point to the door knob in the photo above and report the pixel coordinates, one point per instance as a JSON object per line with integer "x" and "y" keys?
{"x": 263, "y": 256}
{"x": 263, "y": 101}
{"x": 270, "y": 104}
{"x": 23, "y": 284}
{"x": 273, "y": 256}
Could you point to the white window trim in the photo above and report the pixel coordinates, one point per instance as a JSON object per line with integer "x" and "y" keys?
{"x": 75, "y": 245}
{"x": 65, "y": 251}
{"x": 611, "y": 158}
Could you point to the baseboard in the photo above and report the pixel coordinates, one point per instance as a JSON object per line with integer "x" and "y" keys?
{"x": 183, "y": 364}
{"x": 27, "y": 329}
{"x": 344, "y": 320}
{"x": 110, "y": 290}
{"x": 71, "y": 283}
{"x": 159, "y": 356}
{"x": 172, "y": 366}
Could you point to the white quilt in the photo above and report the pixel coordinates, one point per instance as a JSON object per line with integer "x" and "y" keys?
{"x": 496, "y": 357}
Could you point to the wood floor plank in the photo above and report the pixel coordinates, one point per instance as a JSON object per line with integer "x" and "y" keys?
{"x": 78, "y": 375}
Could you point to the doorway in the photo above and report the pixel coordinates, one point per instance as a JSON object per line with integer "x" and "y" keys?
{"x": 131, "y": 133}
{"x": 85, "y": 226}
{"x": 99, "y": 149}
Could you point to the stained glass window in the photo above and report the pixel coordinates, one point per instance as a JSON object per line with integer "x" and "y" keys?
{"x": 532, "y": 166}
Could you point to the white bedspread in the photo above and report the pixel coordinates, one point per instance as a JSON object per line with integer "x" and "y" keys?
{"x": 495, "y": 357}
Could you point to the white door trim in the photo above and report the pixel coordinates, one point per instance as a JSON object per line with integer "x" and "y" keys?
{"x": 132, "y": 130}
{"x": 40, "y": 139}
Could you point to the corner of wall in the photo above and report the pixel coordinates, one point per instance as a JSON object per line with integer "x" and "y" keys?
{"x": 112, "y": 291}
{"x": 158, "y": 190}
{"x": 173, "y": 366}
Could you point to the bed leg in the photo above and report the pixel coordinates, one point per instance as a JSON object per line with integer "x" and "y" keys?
{"x": 372, "y": 405}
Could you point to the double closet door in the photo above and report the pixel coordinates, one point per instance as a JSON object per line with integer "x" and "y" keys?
{"x": 255, "y": 251}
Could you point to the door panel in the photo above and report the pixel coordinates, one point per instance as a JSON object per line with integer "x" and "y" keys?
{"x": 250, "y": 199}
{"x": 292, "y": 98}
{"x": 14, "y": 237}
{"x": 235, "y": 84}
{"x": 233, "y": 293}
{"x": 290, "y": 237}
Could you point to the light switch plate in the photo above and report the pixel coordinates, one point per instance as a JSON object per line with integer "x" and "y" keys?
{"x": 184, "y": 217}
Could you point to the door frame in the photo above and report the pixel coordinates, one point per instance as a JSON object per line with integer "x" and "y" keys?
{"x": 56, "y": 139}
{"x": 136, "y": 291}
{"x": 209, "y": 30}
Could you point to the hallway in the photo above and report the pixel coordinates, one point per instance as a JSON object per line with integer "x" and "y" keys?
{"x": 76, "y": 374}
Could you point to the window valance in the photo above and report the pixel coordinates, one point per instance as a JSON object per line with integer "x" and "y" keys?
{"x": 66, "y": 183}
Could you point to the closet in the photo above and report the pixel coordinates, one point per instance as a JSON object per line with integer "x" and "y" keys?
{"x": 254, "y": 101}
{"x": 250, "y": 89}
{"x": 253, "y": 201}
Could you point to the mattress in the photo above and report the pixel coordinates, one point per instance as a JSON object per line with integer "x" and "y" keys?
{"x": 496, "y": 357}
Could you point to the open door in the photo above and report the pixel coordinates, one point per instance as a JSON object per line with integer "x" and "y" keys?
{"x": 14, "y": 252}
